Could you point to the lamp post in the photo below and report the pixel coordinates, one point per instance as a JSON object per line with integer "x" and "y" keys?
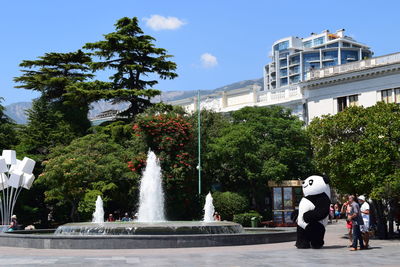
{"x": 199, "y": 139}
{"x": 14, "y": 176}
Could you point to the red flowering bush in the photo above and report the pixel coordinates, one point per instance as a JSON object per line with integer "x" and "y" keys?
{"x": 137, "y": 163}
{"x": 170, "y": 136}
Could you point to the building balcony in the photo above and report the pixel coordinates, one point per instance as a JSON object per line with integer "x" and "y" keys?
{"x": 353, "y": 66}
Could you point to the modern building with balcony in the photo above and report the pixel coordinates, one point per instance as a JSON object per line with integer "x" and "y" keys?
{"x": 324, "y": 91}
{"x": 314, "y": 76}
{"x": 292, "y": 57}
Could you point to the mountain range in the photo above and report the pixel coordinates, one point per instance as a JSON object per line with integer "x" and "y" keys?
{"x": 17, "y": 111}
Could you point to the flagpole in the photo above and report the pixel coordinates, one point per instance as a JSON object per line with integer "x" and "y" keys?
{"x": 199, "y": 139}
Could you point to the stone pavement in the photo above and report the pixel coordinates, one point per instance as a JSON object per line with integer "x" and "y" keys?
{"x": 334, "y": 253}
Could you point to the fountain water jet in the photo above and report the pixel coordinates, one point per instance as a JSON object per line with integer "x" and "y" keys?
{"x": 209, "y": 209}
{"x": 98, "y": 215}
{"x": 151, "y": 204}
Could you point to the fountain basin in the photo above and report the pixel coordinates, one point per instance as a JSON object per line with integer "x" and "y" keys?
{"x": 154, "y": 228}
{"x": 45, "y": 240}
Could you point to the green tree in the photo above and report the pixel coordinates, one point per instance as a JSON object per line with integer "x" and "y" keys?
{"x": 45, "y": 129}
{"x": 229, "y": 203}
{"x": 133, "y": 55}
{"x": 261, "y": 144}
{"x": 92, "y": 165}
{"x": 8, "y": 135}
{"x": 359, "y": 149}
{"x": 50, "y": 75}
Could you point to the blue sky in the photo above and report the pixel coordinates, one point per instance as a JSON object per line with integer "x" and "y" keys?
{"x": 232, "y": 37}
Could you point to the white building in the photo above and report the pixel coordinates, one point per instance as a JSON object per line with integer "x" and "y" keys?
{"x": 363, "y": 83}
{"x": 292, "y": 57}
{"x": 324, "y": 91}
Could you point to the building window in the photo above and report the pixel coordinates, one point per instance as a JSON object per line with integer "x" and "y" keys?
{"x": 281, "y": 46}
{"x": 353, "y": 100}
{"x": 319, "y": 41}
{"x": 283, "y": 72}
{"x": 397, "y": 95}
{"x": 344, "y": 44}
{"x": 387, "y": 96}
{"x": 342, "y": 104}
{"x": 349, "y": 56}
{"x": 307, "y": 44}
{"x": 284, "y": 81}
{"x": 295, "y": 70}
{"x": 333, "y": 45}
{"x": 294, "y": 60}
{"x": 296, "y": 79}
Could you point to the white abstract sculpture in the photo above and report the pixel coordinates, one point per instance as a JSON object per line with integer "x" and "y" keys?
{"x": 14, "y": 175}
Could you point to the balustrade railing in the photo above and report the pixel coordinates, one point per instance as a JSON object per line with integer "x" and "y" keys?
{"x": 358, "y": 65}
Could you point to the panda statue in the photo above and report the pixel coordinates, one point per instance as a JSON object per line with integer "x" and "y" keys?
{"x": 313, "y": 212}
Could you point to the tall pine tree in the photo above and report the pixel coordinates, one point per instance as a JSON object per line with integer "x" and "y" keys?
{"x": 133, "y": 56}
{"x": 51, "y": 74}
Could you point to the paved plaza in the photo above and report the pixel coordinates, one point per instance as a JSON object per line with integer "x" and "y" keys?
{"x": 335, "y": 253}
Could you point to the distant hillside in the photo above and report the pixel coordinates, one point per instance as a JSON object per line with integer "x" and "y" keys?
{"x": 17, "y": 111}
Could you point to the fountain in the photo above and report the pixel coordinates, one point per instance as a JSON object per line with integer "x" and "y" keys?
{"x": 209, "y": 209}
{"x": 98, "y": 215}
{"x": 151, "y": 205}
{"x": 151, "y": 218}
{"x": 151, "y": 230}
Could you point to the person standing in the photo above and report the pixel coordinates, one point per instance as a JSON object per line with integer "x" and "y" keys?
{"x": 365, "y": 216}
{"x": 331, "y": 213}
{"x": 337, "y": 211}
{"x": 356, "y": 219}
{"x": 346, "y": 209}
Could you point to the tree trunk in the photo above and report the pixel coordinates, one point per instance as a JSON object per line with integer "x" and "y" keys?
{"x": 381, "y": 220}
{"x": 391, "y": 218}
{"x": 72, "y": 214}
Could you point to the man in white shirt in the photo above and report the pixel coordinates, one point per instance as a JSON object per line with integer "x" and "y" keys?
{"x": 365, "y": 215}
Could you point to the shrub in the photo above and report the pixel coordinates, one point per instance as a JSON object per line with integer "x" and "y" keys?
{"x": 229, "y": 203}
{"x": 245, "y": 218}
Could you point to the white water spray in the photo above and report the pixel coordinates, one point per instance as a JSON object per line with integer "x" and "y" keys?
{"x": 98, "y": 215}
{"x": 151, "y": 204}
{"x": 209, "y": 209}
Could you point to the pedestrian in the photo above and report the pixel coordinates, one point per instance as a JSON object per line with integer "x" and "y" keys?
{"x": 346, "y": 209}
{"x": 126, "y": 218}
{"x": 13, "y": 224}
{"x": 337, "y": 211}
{"x": 356, "y": 219}
{"x": 365, "y": 216}
{"x": 110, "y": 218}
{"x": 217, "y": 217}
{"x": 331, "y": 213}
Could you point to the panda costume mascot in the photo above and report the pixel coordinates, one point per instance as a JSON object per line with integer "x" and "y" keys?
{"x": 313, "y": 212}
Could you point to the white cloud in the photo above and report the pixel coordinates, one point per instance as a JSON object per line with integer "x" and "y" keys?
{"x": 208, "y": 60}
{"x": 157, "y": 23}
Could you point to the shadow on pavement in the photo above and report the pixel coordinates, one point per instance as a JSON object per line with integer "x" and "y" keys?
{"x": 333, "y": 247}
